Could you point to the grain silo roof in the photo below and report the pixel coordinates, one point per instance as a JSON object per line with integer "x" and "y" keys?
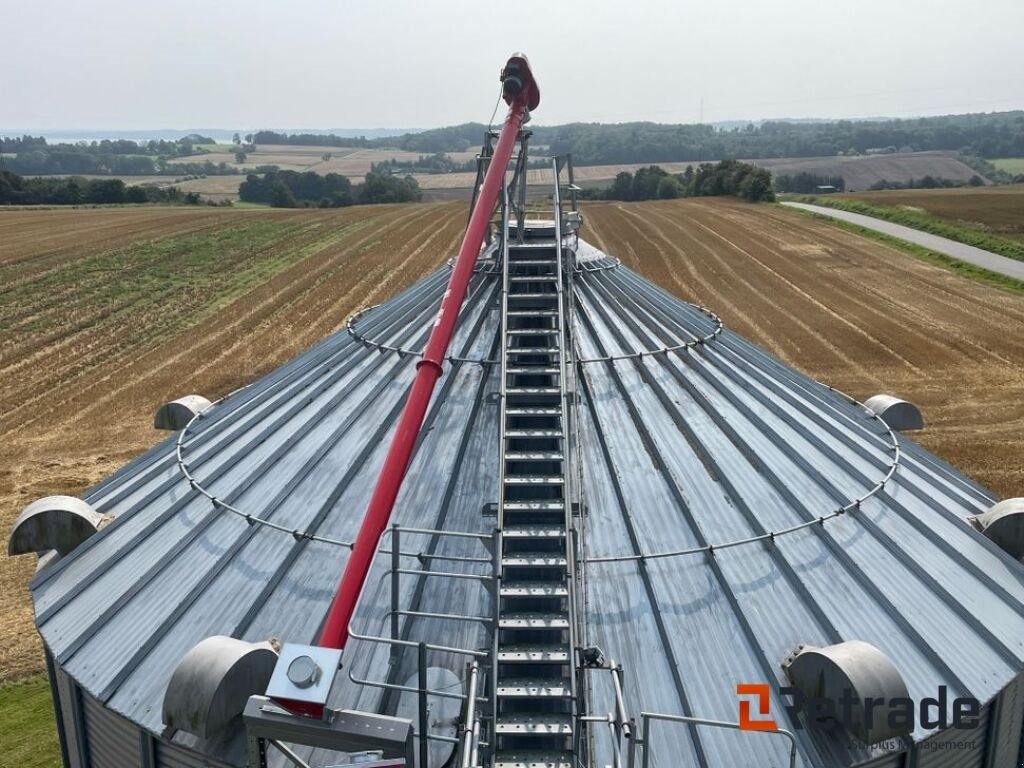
{"x": 732, "y": 509}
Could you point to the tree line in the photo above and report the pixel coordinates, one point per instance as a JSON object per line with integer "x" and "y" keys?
{"x": 806, "y": 183}
{"x": 726, "y": 178}
{"x": 33, "y": 155}
{"x": 295, "y": 189}
{"x": 16, "y": 190}
{"x": 997, "y": 134}
{"x": 928, "y": 182}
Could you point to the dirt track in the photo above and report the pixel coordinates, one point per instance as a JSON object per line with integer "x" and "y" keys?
{"x": 83, "y": 366}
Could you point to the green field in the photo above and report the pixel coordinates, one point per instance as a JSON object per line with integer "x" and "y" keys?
{"x": 1010, "y": 164}
{"x": 28, "y": 731}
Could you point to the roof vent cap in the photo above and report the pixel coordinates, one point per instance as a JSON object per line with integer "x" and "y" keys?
{"x": 1003, "y": 523}
{"x": 178, "y": 413}
{"x": 898, "y": 414}
{"x": 857, "y": 668}
{"x": 57, "y": 523}
{"x": 213, "y": 682}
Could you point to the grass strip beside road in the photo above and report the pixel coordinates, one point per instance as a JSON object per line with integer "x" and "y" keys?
{"x": 962, "y": 234}
{"x": 961, "y": 268}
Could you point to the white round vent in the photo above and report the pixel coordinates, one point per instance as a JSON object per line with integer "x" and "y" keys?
{"x": 1004, "y": 524}
{"x": 178, "y": 413}
{"x": 898, "y": 414}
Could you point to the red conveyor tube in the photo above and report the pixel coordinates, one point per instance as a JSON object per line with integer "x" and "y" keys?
{"x": 521, "y": 93}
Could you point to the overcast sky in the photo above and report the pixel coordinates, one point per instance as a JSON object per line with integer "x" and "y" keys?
{"x": 398, "y": 63}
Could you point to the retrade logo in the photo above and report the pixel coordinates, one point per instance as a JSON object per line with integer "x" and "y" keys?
{"x": 763, "y": 696}
{"x": 897, "y": 715}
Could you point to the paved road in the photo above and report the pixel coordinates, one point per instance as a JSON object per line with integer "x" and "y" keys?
{"x": 968, "y": 253}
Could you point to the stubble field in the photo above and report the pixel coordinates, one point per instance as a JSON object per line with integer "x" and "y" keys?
{"x": 105, "y": 314}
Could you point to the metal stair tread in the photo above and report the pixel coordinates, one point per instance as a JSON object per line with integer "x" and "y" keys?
{"x": 534, "y": 654}
{"x": 534, "y": 560}
{"x": 535, "y": 506}
{"x": 539, "y": 724}
{"x": 534, "y": 532}
{"x": 538, "y": 244}
{"x": 534, "y": 480}
{"x": 516, "y": 433}
{"x": 533, "y": 759}
{"x": 533, "y": 589}
{"x": 533, "y": 688}
{"x": 533, "y": 456}
{"x": 533, "y": 620}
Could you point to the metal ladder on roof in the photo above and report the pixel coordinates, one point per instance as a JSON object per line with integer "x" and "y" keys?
{"x": 535, "y": 701}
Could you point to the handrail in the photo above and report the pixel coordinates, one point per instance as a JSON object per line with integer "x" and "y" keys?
{"x": 571, "y": 541}
{"x": 647, "y": 717}
{"x": 499, "y": 543}
{"x": 620, "y": 725}
{"x": 392, "y": 617}
{"x": 470, "y": 738}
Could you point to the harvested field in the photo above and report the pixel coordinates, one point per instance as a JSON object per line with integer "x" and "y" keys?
{"x": 344, "y": 160}
{"x": 105, "y": 314}
{"x": 859, "y": 172}
{"x": 999, "y": 210}
{"x": 357, "y": 163}
{"x": 849, "y": 311}
{"x": 354, "y": 163}
{"x": 285, "y": 162}
{"x": 863, "y": 171}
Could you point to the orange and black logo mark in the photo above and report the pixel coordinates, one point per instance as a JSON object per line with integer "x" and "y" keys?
{"x": 762, "y": 695}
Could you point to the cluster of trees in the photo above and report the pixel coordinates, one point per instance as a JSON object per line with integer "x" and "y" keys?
{"x": 438, "y": 162}
{"x": 31, "y": 155}
{"x": 15, "y": 190}
{"x": 727, "y": 178}
{"x": 805, "y": 183}
{"x": 310, "y": 139}
{"x": 999, "y": 134}
{"x": 292, "y": 189}
{"x": 990, "y": 172}
{"x": 928, "y": 182}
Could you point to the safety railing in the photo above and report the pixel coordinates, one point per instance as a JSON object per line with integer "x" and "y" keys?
{"x": 468, "y": 740}
{"x": 647, "y": 718}
{"x": 621, "y": 728}
{"x": 566, "y": 298}
{"x": 502, "y": 395}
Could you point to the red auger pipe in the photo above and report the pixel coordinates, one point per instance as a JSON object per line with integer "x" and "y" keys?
{"x": 521, "y": 93}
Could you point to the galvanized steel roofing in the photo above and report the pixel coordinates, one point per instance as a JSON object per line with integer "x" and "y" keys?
{"x": 729, "y": 464}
